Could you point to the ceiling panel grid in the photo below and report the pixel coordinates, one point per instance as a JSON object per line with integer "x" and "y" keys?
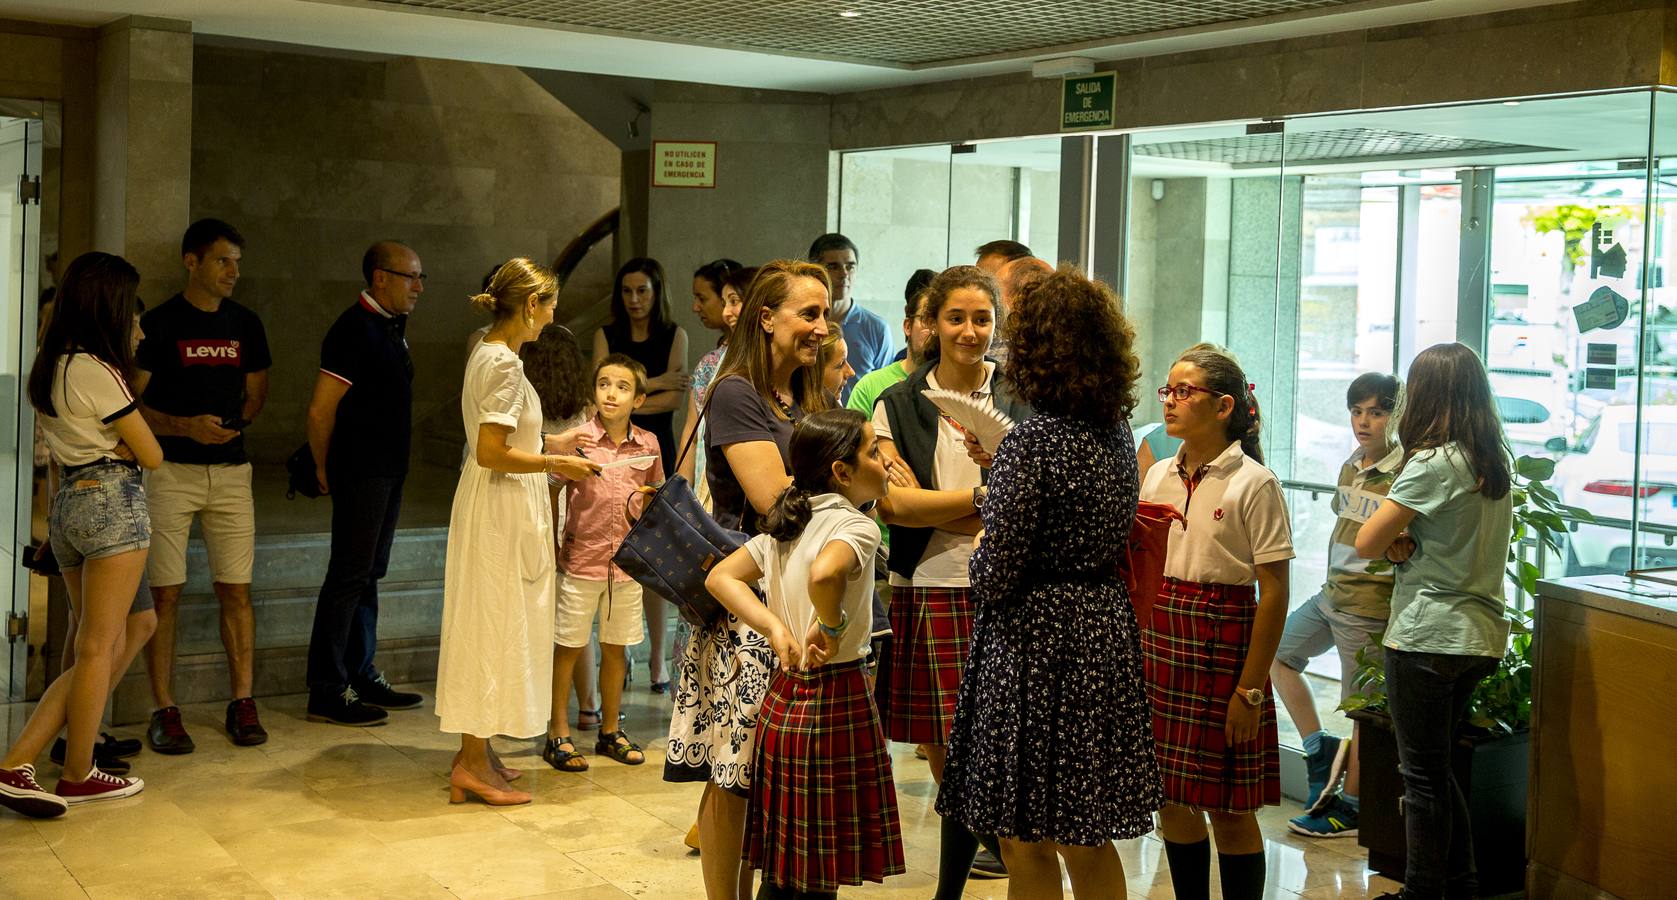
{"x": 889, "y": 33}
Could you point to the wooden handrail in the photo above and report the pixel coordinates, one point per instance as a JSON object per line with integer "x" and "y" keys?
{"x": 571, "y": 257}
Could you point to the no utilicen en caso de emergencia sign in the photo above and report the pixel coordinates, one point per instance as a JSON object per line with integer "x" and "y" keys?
{"x": 684, "y": 164}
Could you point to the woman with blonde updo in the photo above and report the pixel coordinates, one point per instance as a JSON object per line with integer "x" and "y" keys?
{"x": 495, "y": 670}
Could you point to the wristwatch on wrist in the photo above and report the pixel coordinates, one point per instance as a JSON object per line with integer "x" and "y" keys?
{"x": 979, "y": 495}
{"x": 1253, "y": 696}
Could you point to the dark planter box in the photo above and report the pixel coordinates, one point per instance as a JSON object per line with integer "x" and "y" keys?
{"x": 1492, "y": 773}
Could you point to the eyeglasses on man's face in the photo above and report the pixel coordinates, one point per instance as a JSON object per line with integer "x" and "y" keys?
{"x": 1183, "y": 391}
{"x": 411, "y": 276}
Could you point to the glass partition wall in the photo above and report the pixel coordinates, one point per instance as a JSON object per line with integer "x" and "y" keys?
{"x": 1538, "y": 231}
{"x": 1320, "y": 247}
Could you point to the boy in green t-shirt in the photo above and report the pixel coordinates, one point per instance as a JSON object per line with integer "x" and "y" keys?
{"x": 915, "y": 332}
{"x": 1349, "y": 611}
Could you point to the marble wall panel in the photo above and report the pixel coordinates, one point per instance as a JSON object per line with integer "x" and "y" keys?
{"x": 161, "y": 50}
{"x": 1422, "y": 64}
{"x": 770, "y": 197}
{"x": 30, "y": 64}
{"x": 1005, "y": 106}
{"x": 316, "y": 157}
{"x": 1535, "y": 50}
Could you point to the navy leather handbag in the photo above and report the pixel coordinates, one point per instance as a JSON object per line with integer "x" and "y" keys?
{"x": 673, "y": 545}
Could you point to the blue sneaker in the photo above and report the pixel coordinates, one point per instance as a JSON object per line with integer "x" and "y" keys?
{"x": 1336, "y": 819}
{"x": 1319, "y": 770}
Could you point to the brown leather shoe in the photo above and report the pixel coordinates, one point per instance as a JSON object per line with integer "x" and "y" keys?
{"x": 167, "y": 735}
{"x": 242, "y": 724}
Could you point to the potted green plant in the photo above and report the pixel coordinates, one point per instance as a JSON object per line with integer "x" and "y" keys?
{"x": 1491, "y": 758}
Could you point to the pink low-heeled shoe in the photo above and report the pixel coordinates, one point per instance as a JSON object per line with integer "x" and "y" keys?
{"x": 462, "y": 783}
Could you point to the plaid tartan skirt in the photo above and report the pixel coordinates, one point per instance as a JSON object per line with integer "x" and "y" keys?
{"x": 1194, "y": 653}
{"x": 823, "y": 808}
{"x": 920, "y": 677}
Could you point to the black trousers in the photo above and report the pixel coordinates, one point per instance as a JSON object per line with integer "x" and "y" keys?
{"x": 364, "y": 510}
{"x": 1427, "y": 694}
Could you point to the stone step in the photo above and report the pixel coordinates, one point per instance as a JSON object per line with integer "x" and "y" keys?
{"x": 298, "y": 561}
{"x": 285, "y": 588}
{"x": 285, "y": 618}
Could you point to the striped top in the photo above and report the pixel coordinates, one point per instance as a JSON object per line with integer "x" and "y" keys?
{"x": 88, "y": 396}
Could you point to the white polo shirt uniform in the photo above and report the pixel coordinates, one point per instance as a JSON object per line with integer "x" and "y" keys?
{"x": 1236, "y": 519}
{"x": 1201, "y": 629}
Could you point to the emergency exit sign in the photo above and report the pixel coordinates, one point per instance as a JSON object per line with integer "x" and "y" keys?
{"x": 1089, "y": 102}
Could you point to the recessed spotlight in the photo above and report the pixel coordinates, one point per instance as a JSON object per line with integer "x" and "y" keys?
{"x": 849, "y": 14}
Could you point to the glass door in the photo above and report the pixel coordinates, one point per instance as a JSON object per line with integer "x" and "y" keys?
{"x": 1004, "y": 190}
{"x": 20, "y": 225}
{"x": 931, "y": 207}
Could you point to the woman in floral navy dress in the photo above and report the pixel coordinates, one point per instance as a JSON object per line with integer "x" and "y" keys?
{"x": 1052, "y": 745}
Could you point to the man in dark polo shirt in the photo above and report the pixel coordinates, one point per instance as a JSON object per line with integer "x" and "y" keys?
{"x": 360, "y": 425}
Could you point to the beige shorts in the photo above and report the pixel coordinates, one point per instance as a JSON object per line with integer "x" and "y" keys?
{"x": 622, "y": 621}
{"x": 220, "y": 497}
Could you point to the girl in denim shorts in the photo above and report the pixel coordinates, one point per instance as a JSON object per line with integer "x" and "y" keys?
{"x": 99, "y": 524}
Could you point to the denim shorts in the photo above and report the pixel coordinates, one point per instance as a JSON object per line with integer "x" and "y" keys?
{"x": 100, "y": 510}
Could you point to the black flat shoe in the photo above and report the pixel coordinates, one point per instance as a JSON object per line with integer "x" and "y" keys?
{"x": 119, "y": 748}
{"x": 102, "y": 757}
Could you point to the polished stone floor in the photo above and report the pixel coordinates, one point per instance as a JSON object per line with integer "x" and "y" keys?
{"x": 322, "y": 811}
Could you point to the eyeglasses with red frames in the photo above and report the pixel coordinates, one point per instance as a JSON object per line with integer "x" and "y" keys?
{"x": 1183, "y": 391}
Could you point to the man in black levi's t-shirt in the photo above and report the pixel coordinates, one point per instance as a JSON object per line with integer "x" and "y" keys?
{"x": 202, "y": 376}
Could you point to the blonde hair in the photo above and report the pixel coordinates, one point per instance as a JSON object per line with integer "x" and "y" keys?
{"x": 750, "y": 348}
{"x": 516, "y": 281}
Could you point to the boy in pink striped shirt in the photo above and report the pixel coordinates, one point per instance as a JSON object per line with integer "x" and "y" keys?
{"x": 588, "y": 583}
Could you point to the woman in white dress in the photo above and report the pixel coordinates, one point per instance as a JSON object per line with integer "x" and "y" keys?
{"x": 495, "y": 670}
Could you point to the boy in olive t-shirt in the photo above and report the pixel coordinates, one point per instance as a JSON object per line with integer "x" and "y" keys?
{"x": 1347, "y": 614}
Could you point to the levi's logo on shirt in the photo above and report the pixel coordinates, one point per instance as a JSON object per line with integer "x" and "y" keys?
{"x": 209, "y": 352}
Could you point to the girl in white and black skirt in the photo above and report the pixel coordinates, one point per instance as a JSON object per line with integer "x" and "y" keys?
{"x": 823, "y": 809}
{"x": 766, "y": 383}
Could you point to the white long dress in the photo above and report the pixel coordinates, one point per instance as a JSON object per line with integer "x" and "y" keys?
{"x": 495, "y": 672}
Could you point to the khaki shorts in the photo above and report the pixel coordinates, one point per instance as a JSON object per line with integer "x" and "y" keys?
{"x": 1316, "y": 627}
{"x": 220, "y": 497}
{"x": 622, "y": 621}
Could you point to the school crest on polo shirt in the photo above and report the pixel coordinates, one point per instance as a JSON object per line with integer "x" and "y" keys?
{"x": 209, "y": 352}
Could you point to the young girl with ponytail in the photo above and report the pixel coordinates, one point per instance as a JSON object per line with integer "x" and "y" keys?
{"x": 1212, "y": 637}
{"x": 822, "y": 810}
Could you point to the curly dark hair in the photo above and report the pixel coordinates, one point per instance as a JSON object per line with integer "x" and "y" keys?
{"x": 553, "y": 362}
{"x": 1070, "y": 351}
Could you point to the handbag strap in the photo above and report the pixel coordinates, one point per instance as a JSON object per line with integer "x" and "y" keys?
{"x": 710, "y": 394}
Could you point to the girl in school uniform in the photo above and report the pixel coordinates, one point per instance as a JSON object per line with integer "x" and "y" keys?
{"x": 931, "y": 607}
{"x": 1212, "y": 637}
{"x": 823, "y": 808}
{"x": 1446, "y": 524}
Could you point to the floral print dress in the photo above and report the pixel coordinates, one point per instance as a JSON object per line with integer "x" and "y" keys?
{"x": 1053, "y": 739}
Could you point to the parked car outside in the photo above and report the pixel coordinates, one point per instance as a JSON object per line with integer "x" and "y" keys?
{"x": 1602, "y": 476}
